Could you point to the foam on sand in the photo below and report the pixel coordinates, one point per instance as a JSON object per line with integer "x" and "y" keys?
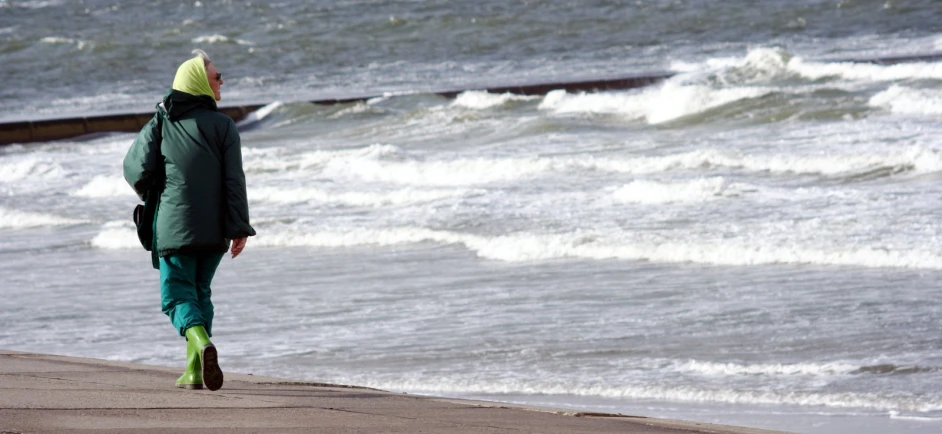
{"x": 723, "y": 370}
{"x": 451, "y": 385}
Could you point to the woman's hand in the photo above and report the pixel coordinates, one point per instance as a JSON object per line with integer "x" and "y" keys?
{"x": 237, "y": 245}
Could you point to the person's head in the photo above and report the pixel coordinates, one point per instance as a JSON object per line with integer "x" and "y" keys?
{"x": 212, "y": 75}
{"x": 198, "y": 76}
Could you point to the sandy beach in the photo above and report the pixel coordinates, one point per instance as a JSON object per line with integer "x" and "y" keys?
{"x": 754, "y": 239}
{"x": 45, "y": 393}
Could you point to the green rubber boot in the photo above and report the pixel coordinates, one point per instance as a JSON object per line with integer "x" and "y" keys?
{"x": 192, "y": 377}
{"x": 208, "y": 358}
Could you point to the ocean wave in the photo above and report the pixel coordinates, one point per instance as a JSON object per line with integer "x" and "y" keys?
{"x": 865, "y": 71}
{"x": 30, "y": 167}
{"x": 717, "y": 82}
{"x": 79, "y": 44}
{"x": 524, "y": 247}
{"x": 105, "y": 186}
{"x": 772, "y": 64}
{"x": 769, "y": 369}
{"x": 397, "y": 197}
{"x": 891, "y": 369}
{"x": 483, "y": 100}
{"x": 667, "y": 102}
{"x": 14, "y": 219}
{"x": 650, "y": 192}
{"x": 863, "y": 400}
{"x": 697, "y": 89}
{"x": 909, "y": 101}
{"x": 32, "y": 4}
{"x": 895, "y": 414}
{"x": 258, "y": 115}
{"x": 217, "y": 38}
{"x": 117, "y": 235}
{"x": 387, "y": 163}
{"x": 356, "y": 109}
{"x": 209, "y": 39}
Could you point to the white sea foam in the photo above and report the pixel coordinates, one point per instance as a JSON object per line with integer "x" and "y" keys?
{"x": 771, "y": 369}
{"x": 80, "y": 44}
{"x": 296, "y": 195}
{"x": 387, "y": 163}
{"x": 917, "y": 159}
{"x": 769, "y": 64}
{"x": 759, "y": 65}
{"x": 209, "y": 39}
{"x": 865, "y": 71}
{"x": 909, "y": 101}
{"x": 388, "y": 95}
{"x": 274, "y": 159}
{"x": 260, "y": 114}
{"x": 31, "y": 167}
{"x": 105, "y": 186}
{"x": 894, "y": 414}
{"x": 14, "y": 219}
{"x": 475, "y": 99}
{"x": 746, "y": 254}
{"x": 648, "y": 192}
{"x": 117, "y": 235}
{"x": 762, "y": 71}
{"x": 355, "y": 109}
{"x": 452, "y": 386}
{"x": 691, "y": 92}
{"x": 530, "y": 247}
{"x": 669, "y": 101}
{"x": 32, "y": 4}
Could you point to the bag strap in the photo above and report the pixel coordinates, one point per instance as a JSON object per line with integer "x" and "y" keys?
{"x": 161, "y": 113}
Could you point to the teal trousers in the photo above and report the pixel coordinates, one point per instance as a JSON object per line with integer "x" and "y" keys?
{"x": 185, "y": 294}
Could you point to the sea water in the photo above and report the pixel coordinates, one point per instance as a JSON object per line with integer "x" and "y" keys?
{"x": 754, "y": 241}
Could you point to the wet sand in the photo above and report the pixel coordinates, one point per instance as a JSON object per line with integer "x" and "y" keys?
{"x": 45, "y": 393}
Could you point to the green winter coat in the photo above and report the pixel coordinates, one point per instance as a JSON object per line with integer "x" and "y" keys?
{"x": 203, "y": 204}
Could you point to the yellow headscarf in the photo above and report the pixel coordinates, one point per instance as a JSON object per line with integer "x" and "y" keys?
{"x": 191, "y": 78}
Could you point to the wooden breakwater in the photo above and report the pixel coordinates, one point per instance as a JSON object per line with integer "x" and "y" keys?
{"x": 65, "y": 128}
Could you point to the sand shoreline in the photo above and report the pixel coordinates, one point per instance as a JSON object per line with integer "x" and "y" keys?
{"x": 56, "y": 393}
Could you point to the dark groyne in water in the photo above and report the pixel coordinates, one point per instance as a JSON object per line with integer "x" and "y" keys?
{"x": 65, "y": 128}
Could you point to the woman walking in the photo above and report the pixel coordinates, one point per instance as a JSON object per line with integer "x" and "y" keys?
{"x": 190, "y": 155}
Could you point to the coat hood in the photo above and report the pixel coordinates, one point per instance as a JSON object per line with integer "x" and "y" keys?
{"x": 178, "y": 103}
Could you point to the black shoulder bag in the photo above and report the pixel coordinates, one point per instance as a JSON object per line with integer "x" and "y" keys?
{"x": 144, "y": 214}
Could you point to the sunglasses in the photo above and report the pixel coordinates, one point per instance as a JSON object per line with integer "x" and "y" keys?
{"x": 218, "y": 76}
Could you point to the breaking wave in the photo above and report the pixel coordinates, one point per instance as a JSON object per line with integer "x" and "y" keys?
{"x": 13, "y": 219}
{"x": 388, "y": 163}
{"x": 535, "y": 247}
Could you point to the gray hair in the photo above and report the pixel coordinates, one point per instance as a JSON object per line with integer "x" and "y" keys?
{"x": 204, "y": 56}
